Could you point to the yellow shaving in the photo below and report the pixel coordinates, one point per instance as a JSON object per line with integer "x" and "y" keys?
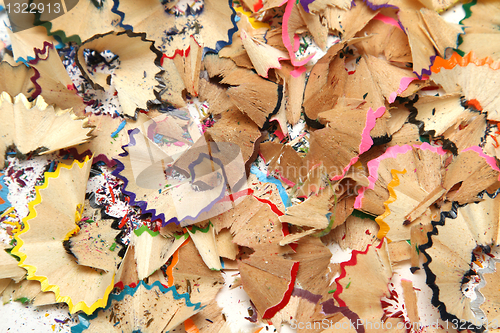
{"x": 45, "y": 286}
{"x": 7, "y": 212}
{"x": 255, "y": 24}
{"x": 384, "y": 227}
{"x": 15, "y": 224}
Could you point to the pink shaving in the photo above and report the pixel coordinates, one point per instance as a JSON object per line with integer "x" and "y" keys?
{"x": 286, "y": 180}
{"x": 296, "y": 42}
{"x": 298, "y": 71}
{"x": 287, "y": 40}
{"x": 208, "y": 123}
{"x": 391, "y": 152}
{"x": 489, "y": 159}
{"x": 366, "y": 140}
{"x": 403, "y": 85}
{"x": 359, "y": 198}
{"x": 387, "y": 20}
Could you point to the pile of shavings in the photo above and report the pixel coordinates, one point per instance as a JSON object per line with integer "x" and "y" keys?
{"x": 251, "y": 166}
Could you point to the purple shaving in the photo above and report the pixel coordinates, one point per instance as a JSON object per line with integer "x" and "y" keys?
{"x": 306, "y": 294}
{"x": 143, "y": 204}
{"x": 105, "y": 159}
{"x": 305, "y": 4}
{"x": 329, "y": 308}
{"x": 133, "y": 202}
{"x": 253, "y": 318}
{"x": 377, "y": 7}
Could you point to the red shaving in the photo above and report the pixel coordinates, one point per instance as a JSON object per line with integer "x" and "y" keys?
{"x": 239, "y": 194}
{"x": 73, "y": 152}
{"x": 43, "y": 51}
{"x": 277, "y": 211}
{"x": 286, "y": 298}
{"x": 120, "y": 285}
{"x": 430, "y": 88}
{"x": 285, "y": 231}
{"x": 123, "y": 221}
{"x": 112, "y": 194}
{"x": 257, "y": 6}
{"x": 279, "y": 134}
{"x": 351, "y": 262}
{"x": 182, "y": 53}
{"x": 274, "y": 208}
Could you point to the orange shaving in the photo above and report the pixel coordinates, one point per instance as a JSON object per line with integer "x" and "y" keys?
{"x": 175, "y": 260}
{"x": 475, "y": 103}
{"x": 190, "y": 327}
{"x": 456, "y": 59}
{"x": 384, "y": 227}
{"x": 496, "y": 145}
